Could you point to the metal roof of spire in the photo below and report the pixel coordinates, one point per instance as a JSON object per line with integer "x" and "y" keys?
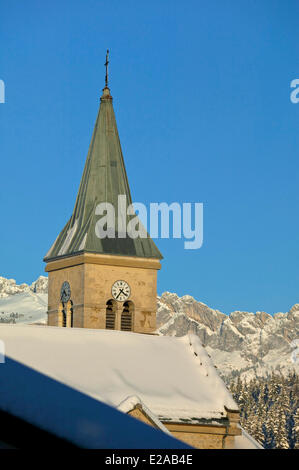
{"x": 103, "y": 180}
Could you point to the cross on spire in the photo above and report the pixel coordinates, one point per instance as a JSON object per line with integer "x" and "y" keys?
{"x": 106, "y": 65}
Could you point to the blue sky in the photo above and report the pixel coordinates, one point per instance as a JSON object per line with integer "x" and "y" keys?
{"x": 202, "y": 99}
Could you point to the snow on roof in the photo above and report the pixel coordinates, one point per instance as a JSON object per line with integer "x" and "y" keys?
{"x": 130, "y": 403}
{"x": 34, "y": 409}
{"x": 245, "y": 441}
{"x": 173, "y": 377}
{"x": 68, "y": 240}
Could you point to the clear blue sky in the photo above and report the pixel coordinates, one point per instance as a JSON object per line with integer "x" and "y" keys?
{"x": 202, "y": 99}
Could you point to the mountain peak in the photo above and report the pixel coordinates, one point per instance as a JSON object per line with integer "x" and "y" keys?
{"x": 242, "y": 342}
{"x": 9, "y": 287}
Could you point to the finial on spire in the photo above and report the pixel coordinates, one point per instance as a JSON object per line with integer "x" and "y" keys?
{"x": 106, "y": 65}
{"x": 106, "y": 92}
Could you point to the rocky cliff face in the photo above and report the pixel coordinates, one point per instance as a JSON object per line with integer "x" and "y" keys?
{"x": 250, "y": 343}
{"x": 9, "y": 287}
{"x": 40, "y": 286}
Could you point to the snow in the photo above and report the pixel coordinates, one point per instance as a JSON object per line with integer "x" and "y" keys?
{"x": 227, "y": 361}
{"x": 251, "y": 343}
{"x": 68, "y": 239}
{"x": 173, "y": 377}
{"x": 9, "y": 287}
{"x": 68, "y": 414}
{"x": 245, "y": 441}
{"x": 131, "y": 402}
{"x": 26, "y": 307}
{"x": 242, "y": 343}
{"x": 40, "y": 286}
{"x": 83, "y": 243}
{"x": 23, "y": 303}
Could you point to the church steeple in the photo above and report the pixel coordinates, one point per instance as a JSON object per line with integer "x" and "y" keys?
{"x": 98, "y": 282}
{"x": 104, "y": 179}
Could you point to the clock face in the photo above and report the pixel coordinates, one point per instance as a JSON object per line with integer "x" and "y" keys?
{"x": 121, "y": 291}
{"x": 65, "y": 293}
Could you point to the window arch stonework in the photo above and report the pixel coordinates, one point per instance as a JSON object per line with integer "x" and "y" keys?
{"x": 111, "y": 309}
{"x": 66, "y": 314}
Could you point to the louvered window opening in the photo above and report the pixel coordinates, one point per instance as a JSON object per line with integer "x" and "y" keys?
{"x": 126, "y": 322}
{"x": 110, "y": 320}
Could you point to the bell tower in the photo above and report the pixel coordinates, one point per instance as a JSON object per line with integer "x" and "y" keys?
{"x": 96, "y": 282}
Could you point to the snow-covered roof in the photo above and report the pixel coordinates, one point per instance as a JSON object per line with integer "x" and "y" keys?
{"x": 173, "y": 377}
{"x": 36, "y": 410}
{"x": 130, "y": 403}
{"x": 245, "y": 441}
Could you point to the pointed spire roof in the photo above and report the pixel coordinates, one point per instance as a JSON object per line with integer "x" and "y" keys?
{"x": 104, "y": 179}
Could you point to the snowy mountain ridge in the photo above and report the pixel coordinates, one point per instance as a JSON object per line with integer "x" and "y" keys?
{"x": 9, "y": 287}
{"x": 23, "y": 303}
{"x": 241, "y": 342}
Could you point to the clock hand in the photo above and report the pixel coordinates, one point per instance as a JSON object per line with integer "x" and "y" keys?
{"x": 120, "y": 292}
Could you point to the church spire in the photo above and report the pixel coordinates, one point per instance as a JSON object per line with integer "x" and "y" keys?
{"x": 103, "y": 180}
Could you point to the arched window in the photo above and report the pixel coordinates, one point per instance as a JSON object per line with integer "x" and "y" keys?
{"x": 63, "y": 316}
{"x": 110, "y": 314}
{"x": 126, "y": 322}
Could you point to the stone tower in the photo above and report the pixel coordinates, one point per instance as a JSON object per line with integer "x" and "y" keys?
{"x": 102, "y": 282}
